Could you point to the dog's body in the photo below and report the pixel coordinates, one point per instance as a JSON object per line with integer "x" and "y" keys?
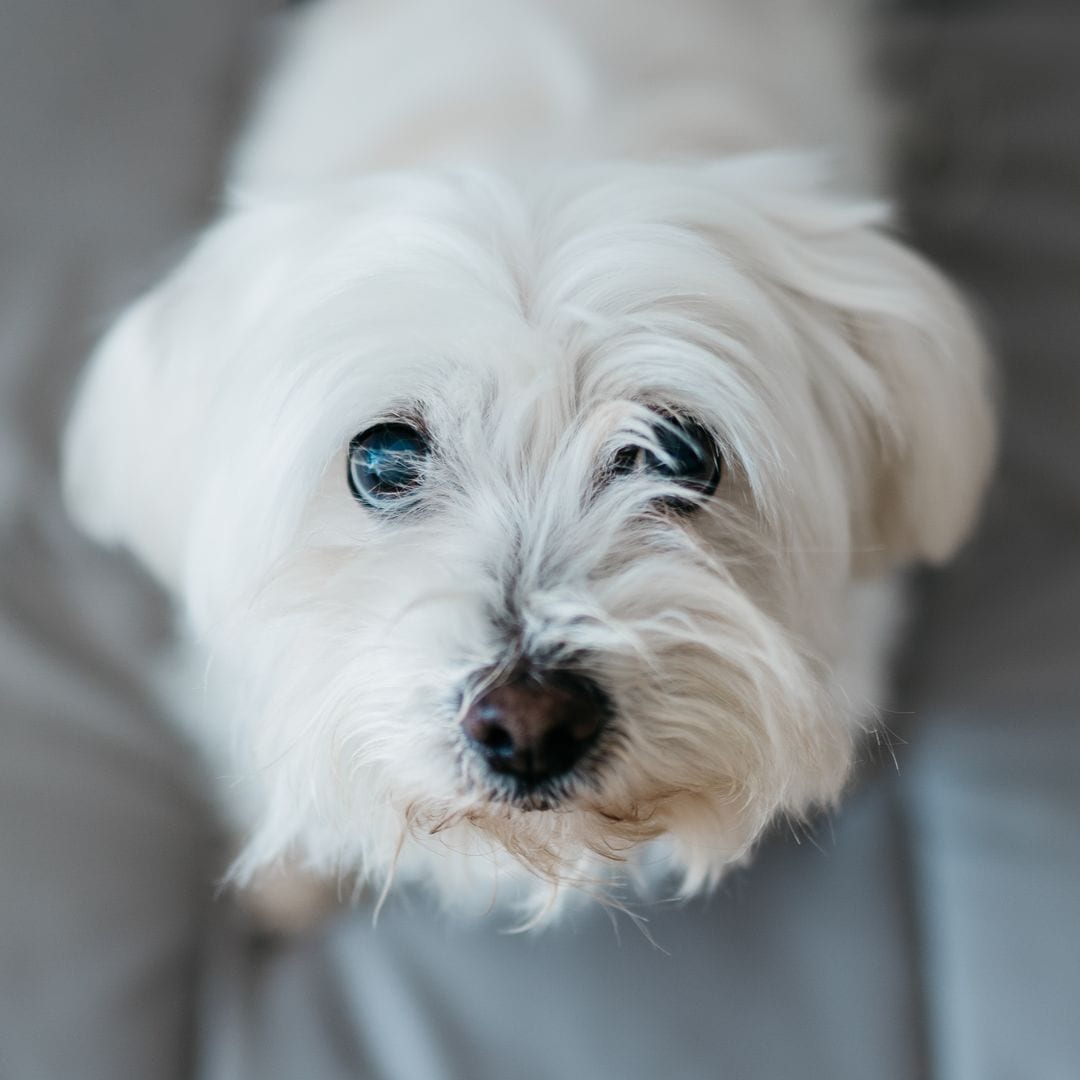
{"x": 639, "y": 426}
{"x": 368, "y": 86}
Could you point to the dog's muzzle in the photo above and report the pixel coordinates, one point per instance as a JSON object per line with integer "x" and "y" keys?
{"x": 536, "y": 727}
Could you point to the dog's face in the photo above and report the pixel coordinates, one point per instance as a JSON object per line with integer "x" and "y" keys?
{"x": 522, "y": 517}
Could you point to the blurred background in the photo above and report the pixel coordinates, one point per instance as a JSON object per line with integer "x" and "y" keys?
{"x": 933, "y": 930}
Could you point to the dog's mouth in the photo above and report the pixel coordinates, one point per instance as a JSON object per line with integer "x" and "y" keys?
{"x": 559, "y": 793}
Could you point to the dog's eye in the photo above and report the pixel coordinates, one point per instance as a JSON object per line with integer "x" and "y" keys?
{"x": 386, "y": 464}
{"x": 685, "y": 453}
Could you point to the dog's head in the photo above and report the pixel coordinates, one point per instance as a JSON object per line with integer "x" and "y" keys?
{"x": 523, "y": 516}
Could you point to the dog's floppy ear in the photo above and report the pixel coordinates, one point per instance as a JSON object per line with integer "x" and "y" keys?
{"x": 937, "y": 439}
{"x": 899, "y": 341}
{"x": 147, "y": 437}
{"x": 125, "y": 464}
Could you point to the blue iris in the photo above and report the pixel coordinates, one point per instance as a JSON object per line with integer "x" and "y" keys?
{"x": 683, "y": 452}
{"x": 386, "y": 464}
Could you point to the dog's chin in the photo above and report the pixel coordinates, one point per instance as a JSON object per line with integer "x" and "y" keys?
{"x": 725, "y": 727}
{"x": 550, "y": 796}
{"x": 536, "y": 856}
{"x": 533, "y": 853}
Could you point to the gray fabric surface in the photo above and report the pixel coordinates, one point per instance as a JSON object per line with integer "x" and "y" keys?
{"x": 800, "y": 968}
{"x": 931, "y": 931}
{"x": 990, "y": 788}
{"x": 994, "y": 828}
{"x": 112, "y": 116}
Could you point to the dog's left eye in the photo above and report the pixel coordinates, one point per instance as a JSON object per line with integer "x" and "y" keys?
{"x": 386, "y": 464}
{"x": 685, "y": 453}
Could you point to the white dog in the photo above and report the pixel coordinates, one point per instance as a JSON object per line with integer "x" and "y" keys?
{"x": 533, "y": 442}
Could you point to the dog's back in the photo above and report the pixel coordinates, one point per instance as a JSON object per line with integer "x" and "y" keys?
{"x": 371, "y": 84}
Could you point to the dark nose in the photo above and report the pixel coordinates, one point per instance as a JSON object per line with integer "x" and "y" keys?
{"x": 537, "y": 727}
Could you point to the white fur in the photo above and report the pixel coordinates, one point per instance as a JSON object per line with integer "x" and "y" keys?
{"x": 530, "y": 221}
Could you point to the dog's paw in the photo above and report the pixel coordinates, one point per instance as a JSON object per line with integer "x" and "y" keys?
{"x": 289, "y": 900}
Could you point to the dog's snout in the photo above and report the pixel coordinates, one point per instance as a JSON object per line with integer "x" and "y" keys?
{"x": 536, "y": 728}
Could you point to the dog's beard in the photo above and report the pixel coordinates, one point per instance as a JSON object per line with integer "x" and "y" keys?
{"x": 358, "y": 670}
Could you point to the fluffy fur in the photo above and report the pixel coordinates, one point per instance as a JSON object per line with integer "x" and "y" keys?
{"x": 528, "y": 224}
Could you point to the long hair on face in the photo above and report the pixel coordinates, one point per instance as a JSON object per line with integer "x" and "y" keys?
{"x": 538, "y": 329}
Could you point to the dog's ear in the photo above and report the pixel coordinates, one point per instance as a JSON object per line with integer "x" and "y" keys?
{"x": 936, "y": 440}
{"x": 148, "y": 435}
{"x": 126, "y": 466}
{"x": 899, "y": 341}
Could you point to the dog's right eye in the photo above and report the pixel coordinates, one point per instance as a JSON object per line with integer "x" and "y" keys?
{"x": 386, "y": 464}
{"x": 685, "y": 453}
